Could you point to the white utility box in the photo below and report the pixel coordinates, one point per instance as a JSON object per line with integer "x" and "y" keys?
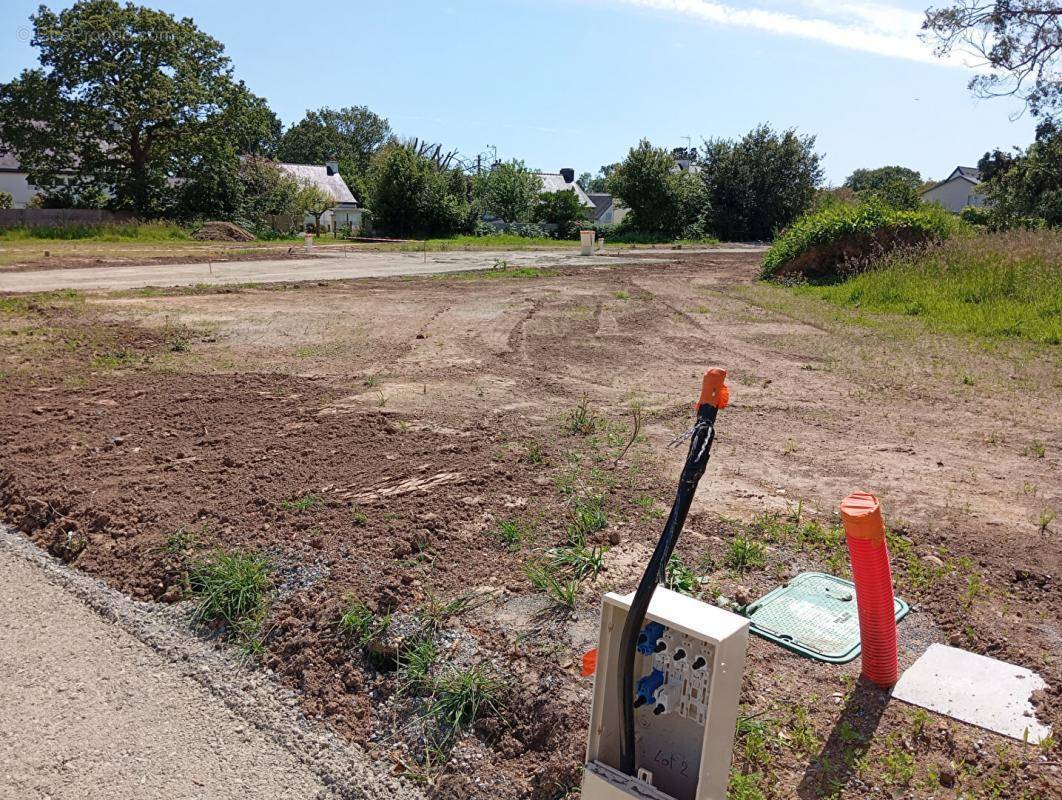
{"x": 687, "y": 677}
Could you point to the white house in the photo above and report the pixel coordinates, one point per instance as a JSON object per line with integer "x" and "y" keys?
{"x": 957, "y": 191}
{"x": 14, "y": 181}
{"x": 346, "y": 215}
{"x": 565, "y": 181}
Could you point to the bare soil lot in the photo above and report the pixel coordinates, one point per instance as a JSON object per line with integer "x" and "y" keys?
{"x": 413, "y": 444}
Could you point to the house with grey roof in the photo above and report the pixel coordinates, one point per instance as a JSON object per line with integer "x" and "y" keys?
{"x": 607, "y": 209}
{"x": 564, "y": 181}
{"x": 957, "y": 191}
{"x": 347, "y": 214}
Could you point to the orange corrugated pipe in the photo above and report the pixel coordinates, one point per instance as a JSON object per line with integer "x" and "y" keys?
{"x": 865, "y": 531}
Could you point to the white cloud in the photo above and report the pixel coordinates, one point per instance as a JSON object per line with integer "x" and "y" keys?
{"x": 868, "y": 27}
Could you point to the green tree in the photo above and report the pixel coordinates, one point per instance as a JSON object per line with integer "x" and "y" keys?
{"x": 1031, "y": 187}
{"x": 599, "y": 183}
{"x": 507, "y": 191}
{"x": 268, "y": 195}
{"x": 350, "y": 135}
{"x": 646, "y": 182}
{"x": 563, "y": 209}
{"x": 6, "y": 200}
{"x": 760, "y": 183}
{"x": 1018, "y": 42}
{"x": 862, "y": 180}
{"x": 411, "y": 195}
{"x": 125, "y": 99}
{"x": 315, "y": 201}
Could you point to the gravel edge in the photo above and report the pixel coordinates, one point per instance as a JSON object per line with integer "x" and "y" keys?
{"x": 252, "y": 694}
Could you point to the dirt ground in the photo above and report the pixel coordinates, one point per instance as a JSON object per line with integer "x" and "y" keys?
{"x": 382, "y": 440}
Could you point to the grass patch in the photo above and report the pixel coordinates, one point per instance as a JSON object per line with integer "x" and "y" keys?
{"x": 743, "y": 554}
{"x": 181, "y": 542}
{"x": 508, "y": 241}
{"x": 511, "y": 533}
{"x": 499, "y": 272}
{"x": 303, "y": 502}
{"x": 990, "y": 285}
{"x": 462, "y": 695}
{"x": 563, "y": 590}
{"x": 20, "y": 304}
{"x": 436, "y": 611}
{"x": 588, "y": 516}
{"x": 117, "y": 232}
{"x": 361, "y": 624}
{"x": 578, "y": 559}
{"x": 415, "y": 665}
{"x": 233, "y": 587}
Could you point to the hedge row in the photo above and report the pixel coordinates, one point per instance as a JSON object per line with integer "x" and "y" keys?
{"x": 842, "y": 236}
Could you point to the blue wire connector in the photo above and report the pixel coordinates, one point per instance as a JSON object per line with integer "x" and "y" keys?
{"x": 648, "y": 638}
{"x": 647, "y": 687}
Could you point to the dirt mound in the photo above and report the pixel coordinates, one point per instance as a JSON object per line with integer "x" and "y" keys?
{"x": 853, "y": 253}
{"x": 222, "y": 232}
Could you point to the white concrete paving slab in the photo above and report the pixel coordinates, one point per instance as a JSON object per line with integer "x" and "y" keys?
{"x": 972, "y": 688}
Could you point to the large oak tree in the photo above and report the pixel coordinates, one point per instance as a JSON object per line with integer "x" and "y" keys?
{"x": 127, "y": 99}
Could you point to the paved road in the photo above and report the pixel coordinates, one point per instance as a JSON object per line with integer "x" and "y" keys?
{"x": 90, "y": 711}
{"x": 327, "y": 267}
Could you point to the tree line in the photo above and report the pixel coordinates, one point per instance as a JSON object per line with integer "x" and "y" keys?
{"x": 135, "y": 109}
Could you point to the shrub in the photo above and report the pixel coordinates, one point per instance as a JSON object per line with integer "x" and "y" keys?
{"x": 563, "y": 209}
{"x": 412, "y": 195}
{"x": 843, "y": 237}
{"x": 978, "y": 216}
{"x": 6, "y": 200}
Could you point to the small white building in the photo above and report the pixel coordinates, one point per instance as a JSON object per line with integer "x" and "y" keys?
{"x": 957, "y": 191}
{"x": 346, "y": 215}
{"x": 14, "y": 181}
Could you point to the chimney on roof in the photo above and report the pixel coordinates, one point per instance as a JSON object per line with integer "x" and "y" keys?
{"x": 568, "y": 174}
{"x": 332, "y": 167}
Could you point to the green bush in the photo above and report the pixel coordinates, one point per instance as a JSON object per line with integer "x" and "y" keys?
{"x": 978, "y": 216}
{"x": 412, "y": 195}
{"x": 563, "y": 209}
{"x": 6, "y": 200}
{"x": 838, "y": 237}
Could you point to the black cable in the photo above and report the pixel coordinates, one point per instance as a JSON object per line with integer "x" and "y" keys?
{"x": 656, "y": 572}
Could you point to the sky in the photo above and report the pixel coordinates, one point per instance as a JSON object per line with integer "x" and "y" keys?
{"x": 576, "y": 83}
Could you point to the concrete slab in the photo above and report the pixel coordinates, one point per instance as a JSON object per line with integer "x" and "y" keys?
{"x": 976, "y": 689}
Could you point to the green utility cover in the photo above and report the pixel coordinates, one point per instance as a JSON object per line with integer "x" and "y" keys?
{"x": 814, "y": 614}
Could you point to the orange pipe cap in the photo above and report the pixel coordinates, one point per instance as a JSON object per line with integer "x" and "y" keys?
{"x": 861, "y": 514}
{"x": 714, "y": 390}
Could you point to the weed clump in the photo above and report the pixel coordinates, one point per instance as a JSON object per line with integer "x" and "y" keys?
{"x": 743, "y": 554}
{"x": 361, "y": 624}
{"x": 462, "y": 695}
{"x": 581, "y": 420}
{"x": 234, "y": 588}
